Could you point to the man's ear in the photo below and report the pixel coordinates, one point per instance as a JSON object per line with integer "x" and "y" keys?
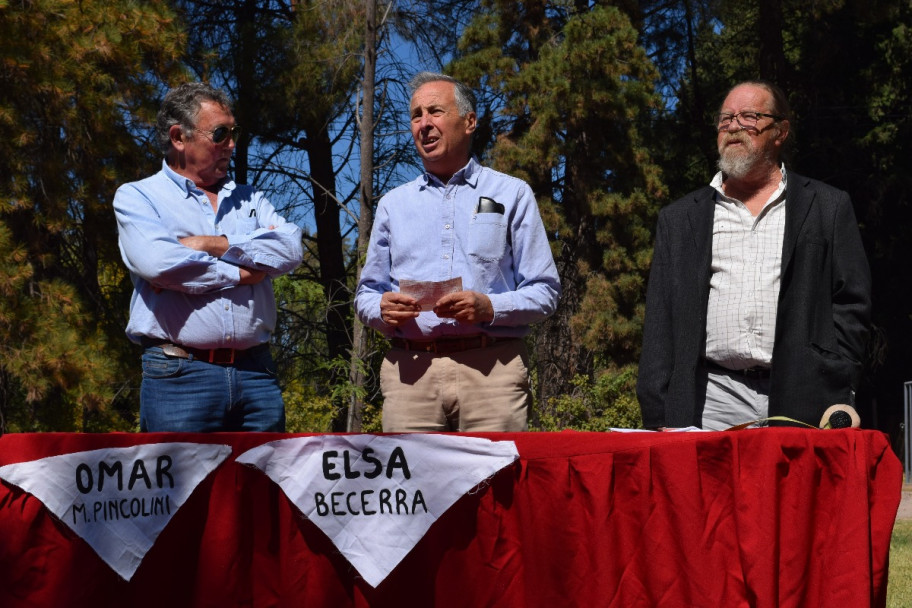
{"x": 471, "y": 122}
{"x": 177, "y": 137}
{"x": 783, "y": 132}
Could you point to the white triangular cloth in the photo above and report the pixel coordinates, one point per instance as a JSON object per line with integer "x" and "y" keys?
{"x": 375, "y": 496}
{"x": 118, "y": 499}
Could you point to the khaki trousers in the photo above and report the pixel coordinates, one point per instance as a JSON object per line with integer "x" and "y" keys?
{"x": 477, "y": 390}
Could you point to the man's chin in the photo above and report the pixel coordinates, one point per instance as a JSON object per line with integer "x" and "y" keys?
{"x": 214, "y": 177}
{"x": 736, "y": 167}
{"x": 429, "y": 154}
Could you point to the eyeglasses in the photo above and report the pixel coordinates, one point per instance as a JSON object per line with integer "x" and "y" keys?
{"x": 220, "y": 134}
{"x": 747, "y": 120}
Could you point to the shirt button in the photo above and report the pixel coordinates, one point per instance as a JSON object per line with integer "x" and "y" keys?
{"x": 227, "y": 307}
{"x": 446, "y": 256}
{"x": 447, "y": 226}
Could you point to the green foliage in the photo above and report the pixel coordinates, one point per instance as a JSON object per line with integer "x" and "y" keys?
{"x": 299, "y": 339}
{"x": 50, "y": 370}
{"x": 78, "y": 80}
{"x": 306, "y": 411}
{"x": 607, "y": 403}
{"x": 567, "y": 95}
{"x": 343, "y": 391}
{"x": 372, "y": 418}
{"x": 309, "y": 409}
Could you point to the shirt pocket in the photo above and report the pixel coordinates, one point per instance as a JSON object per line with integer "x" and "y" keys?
{"x": 246, "y": 225}
{"x": 488, "y": 236}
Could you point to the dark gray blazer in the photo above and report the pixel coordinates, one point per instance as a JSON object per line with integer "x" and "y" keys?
{"x": 823, "y": 316}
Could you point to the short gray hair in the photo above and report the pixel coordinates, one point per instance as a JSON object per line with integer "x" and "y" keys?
{"x": 181, "y": 106}
{"x": 465, "y": 97}
{"x": 780, "y": 104}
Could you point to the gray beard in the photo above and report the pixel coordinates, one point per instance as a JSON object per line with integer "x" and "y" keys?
{"x": 739, "y": 166}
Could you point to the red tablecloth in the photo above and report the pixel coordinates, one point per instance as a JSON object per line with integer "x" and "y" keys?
{"x": 763, "y": 517}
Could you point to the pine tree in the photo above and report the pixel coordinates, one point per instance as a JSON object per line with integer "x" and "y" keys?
{"x": 77, "y": 83}
{"x": 567, "y": 92}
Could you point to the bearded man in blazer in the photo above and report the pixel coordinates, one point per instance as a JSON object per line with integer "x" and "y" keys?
{"x": 758, "y": 302}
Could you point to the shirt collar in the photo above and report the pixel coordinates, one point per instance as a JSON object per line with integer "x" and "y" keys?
{"x": 467, "y": 175}
{"x": 187, "y": 184}
{"x": 716, "y": 183}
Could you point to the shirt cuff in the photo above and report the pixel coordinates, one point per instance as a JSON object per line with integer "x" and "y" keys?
{"x": 502, "y": 303}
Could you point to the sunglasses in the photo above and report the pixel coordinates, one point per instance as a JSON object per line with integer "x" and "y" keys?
{"x": 220, "y": 134}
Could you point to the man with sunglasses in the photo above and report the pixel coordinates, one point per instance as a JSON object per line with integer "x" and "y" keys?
{"x": 202, "y": 250}
{"x": 758, "y": 303}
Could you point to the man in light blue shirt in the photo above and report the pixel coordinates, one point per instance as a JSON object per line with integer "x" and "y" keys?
{"x": 473, "y": 240}
{"x": 202, "y": 251}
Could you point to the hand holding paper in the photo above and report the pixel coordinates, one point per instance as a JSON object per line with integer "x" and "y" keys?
{"x": 428, "y": 292}
{"x": 397, "y": 307}
{"x": 465, "y": 307}
{"x": 446, "y": 298}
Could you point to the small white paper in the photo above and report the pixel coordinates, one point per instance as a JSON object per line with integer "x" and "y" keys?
{"x": 376, "y": 496}
{"x": 118, "y": 499}
{"x": 428, "y": 292}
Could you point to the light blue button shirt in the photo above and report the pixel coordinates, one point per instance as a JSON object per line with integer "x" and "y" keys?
{"x": 187, "y": 296}
{"x": 429, "y": 231}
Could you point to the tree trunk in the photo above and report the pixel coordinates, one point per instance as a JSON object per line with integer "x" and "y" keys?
{"x": 366, "y": 217}
{"x": 772, "y": 57}
{"x": 329, "y": 249}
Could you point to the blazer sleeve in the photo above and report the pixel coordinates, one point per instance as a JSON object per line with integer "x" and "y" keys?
{"x": 851, "y": 288}
{"x": 657, "y": 356}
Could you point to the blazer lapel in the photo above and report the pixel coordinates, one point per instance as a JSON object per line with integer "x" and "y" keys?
{"x": 798, "y": 201}
{"x": 700, "y": 216}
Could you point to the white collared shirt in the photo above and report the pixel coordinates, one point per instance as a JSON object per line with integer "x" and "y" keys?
{"x": 744, "y": 283}
{"x": 426, "y": 230}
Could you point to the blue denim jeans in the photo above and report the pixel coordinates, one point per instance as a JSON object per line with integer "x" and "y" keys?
{"x": 193, "y": 396}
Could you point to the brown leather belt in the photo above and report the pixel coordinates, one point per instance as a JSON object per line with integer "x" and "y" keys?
{"x": 219, "y": 356}
{"x": 448, "y": 345}
{"x": 751, "y": 372}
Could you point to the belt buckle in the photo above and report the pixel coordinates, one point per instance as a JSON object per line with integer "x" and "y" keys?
{"x": 215, "y": 358}
{"x": 173, "y": 350}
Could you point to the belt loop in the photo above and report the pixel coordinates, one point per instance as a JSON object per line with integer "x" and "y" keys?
{"x": 484, "y": 340}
